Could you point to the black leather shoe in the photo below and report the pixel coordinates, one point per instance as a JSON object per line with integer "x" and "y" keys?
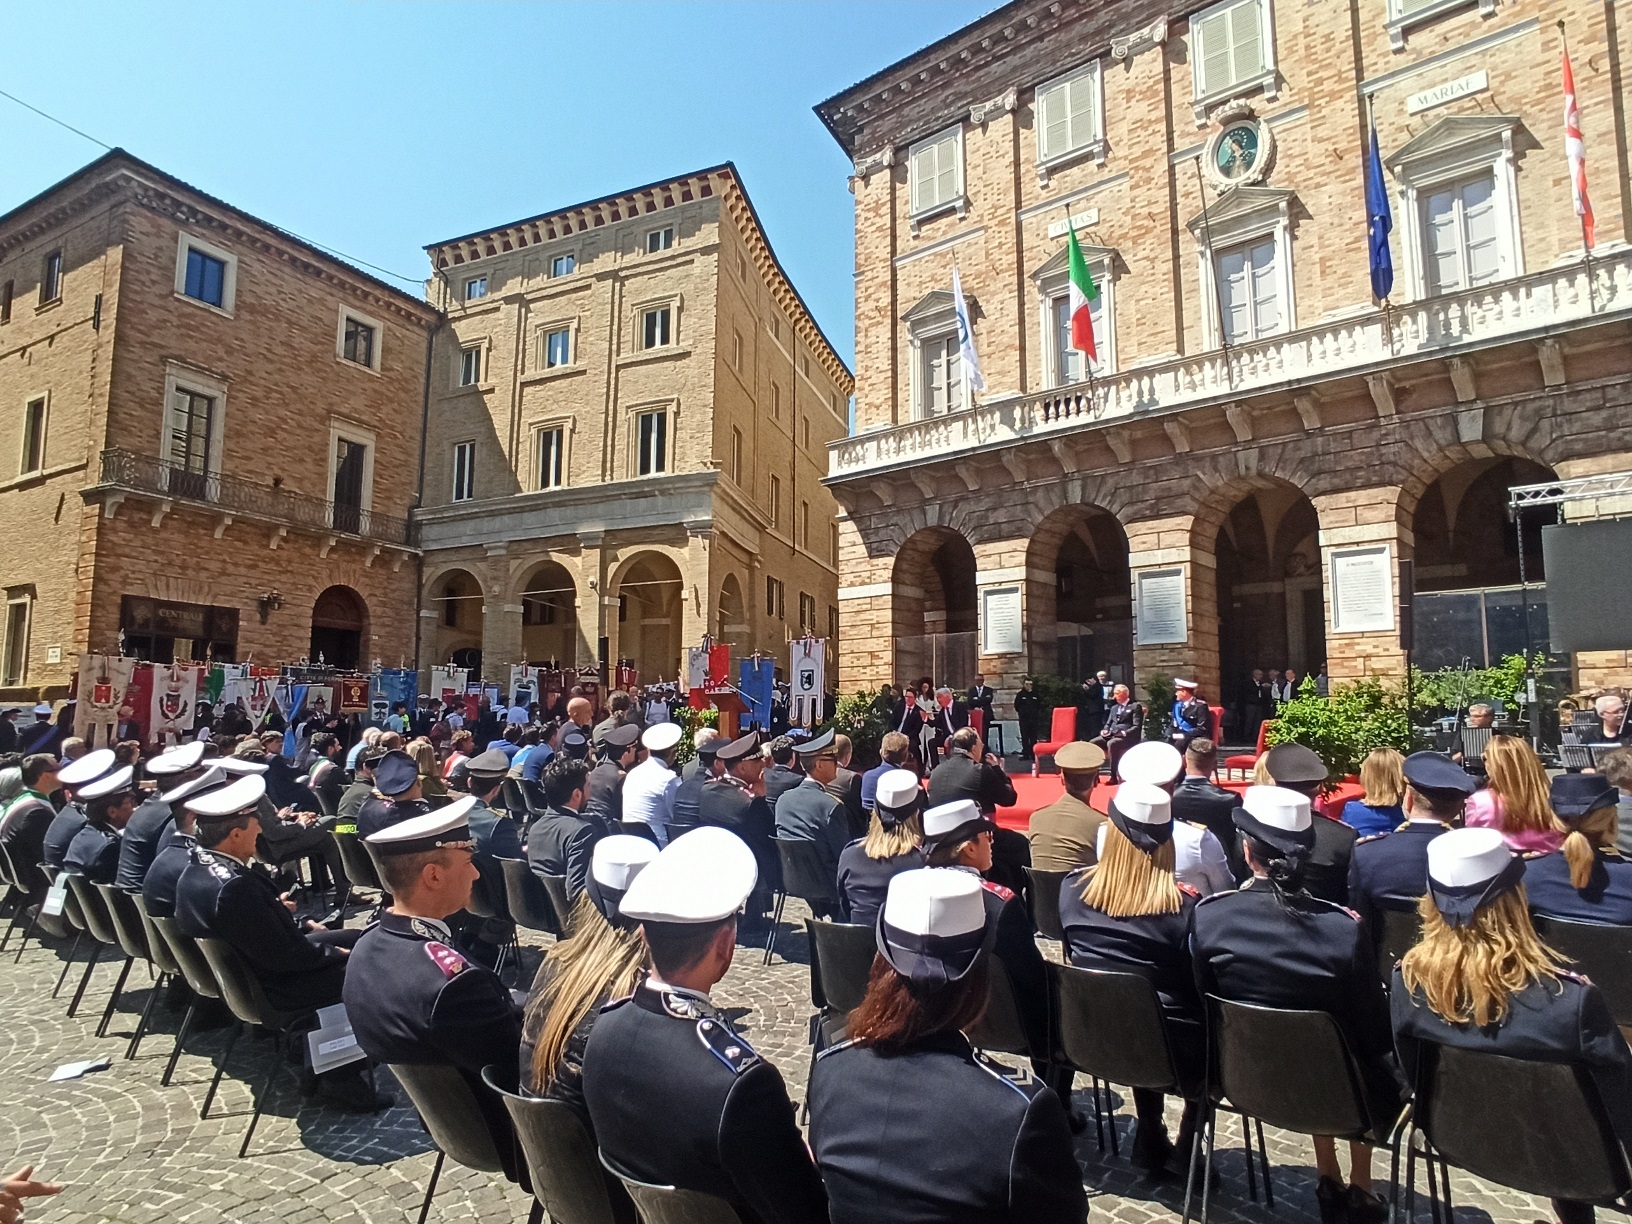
{"x": 1151, "y": 1150}
{"x": 1364, "y": 1207}
{"x": 1333, "y": 1199}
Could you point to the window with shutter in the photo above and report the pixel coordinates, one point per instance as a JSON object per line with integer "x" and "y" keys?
{"x": 1460, "y": 235}
{"x": 942, "y": 376}
{"x": 934, "y": 172}
{"x": 1249, "y": 291}
{"x": 1230, "y": 47}
{"x": 1068, "y": 114}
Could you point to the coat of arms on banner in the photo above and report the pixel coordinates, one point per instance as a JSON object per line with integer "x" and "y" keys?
{"x": 175, "y": 689}
{"x": 103, "y": 682}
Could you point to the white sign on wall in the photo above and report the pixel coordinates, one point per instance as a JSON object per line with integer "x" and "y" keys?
{"x": 1362, "y": 589}
{"x": 1000, "y": 621}
{"x": 1159, "y": 618}
{"x": 1450, "y": 91}
{"x": 1086, "y": 219}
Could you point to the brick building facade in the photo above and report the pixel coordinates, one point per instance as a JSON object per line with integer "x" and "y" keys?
{"x": 630, "y": 410}
{"x": 217, "y": 429}
{"x": 1261, "y": 442}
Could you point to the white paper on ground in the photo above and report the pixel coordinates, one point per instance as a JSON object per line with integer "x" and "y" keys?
{"x": 74, "y": 1070}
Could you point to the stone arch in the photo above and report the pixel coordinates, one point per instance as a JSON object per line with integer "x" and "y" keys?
{"x": 339, "y": 628}
{"x": 456, "y": 596}
{"x": 548, "y": 596}
{"x": 650, "y": 594}
{"x": 933, "y": 614}
{"x": 1079, "y": 605}
{"x": 731, "y": 623}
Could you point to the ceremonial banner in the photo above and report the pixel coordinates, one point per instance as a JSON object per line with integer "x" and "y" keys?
{"x": 719, "y": 667}
{"x": 353, "y": 694}
{"x": 175, "y": 693}
{"x": 103, "y": 681}
{"x": 755, "y": 679}
{"x": 448, "y": 684}
{"x": 627, "y": 677}
{"x": 260, "y": 685}
{"x": 808, "y": 695}
{"x": 696, "y": 668}
{"x": 394, "y": 686}
{"x": 137, "y": 711}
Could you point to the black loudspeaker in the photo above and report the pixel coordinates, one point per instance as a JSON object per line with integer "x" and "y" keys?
{"x": 1408, "y": 580}
{"x": 1586, "y": 566}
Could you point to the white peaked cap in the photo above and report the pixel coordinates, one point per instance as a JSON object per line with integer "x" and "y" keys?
{"x": 938, "y": 901}
{"x": 619, "y": 858}
{"x": 1144, "y": 804}
{"x": 87, "y": 769}
{"x": 1461, "y": 858}
{"x": 1189, "y": 684}
{"x": 230, "y": 799}
{"x": 897, "y": 788}
{"x": 701, "y": 876}
{"x": 1151, "y": 762}
{"x": 1278, "y": 808}
{"x": 176, "y": 760}
{"x": 108, "y": 784}
{"x": 210, "y": 777}
{"x": 448, "y": 825}
{"x": 660, "y": 737}
{"x": 239, "y": 766}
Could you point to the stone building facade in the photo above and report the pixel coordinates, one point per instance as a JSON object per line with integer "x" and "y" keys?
{"x": 1261, "y": 442}
{"x": 630, "y": 411}
{"x": 217, "y": 435}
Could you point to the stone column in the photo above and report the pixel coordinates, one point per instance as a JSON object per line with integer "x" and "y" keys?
{"x": 1001, "y": 587}
{"x": 592, "y": 611}
{"x": 697, "y": 591}
{"x": 501, "y": 618}
{"x": 1360, "y": 519}
{"x": 1161, "y": 550}
{"x": 866, "y": 613}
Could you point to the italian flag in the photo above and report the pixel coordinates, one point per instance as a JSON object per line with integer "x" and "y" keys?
{"x": 1083, "y": 294}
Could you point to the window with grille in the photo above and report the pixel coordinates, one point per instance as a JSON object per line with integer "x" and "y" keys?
{"x": 1461, "y": 239}
{"x": 651, "y": 443}
{"x": 935, "y": 171}
{"x": 17, "y": 617}
{"x": 1230, "y": 47}
{"x": 656, "y": 327}
{"x": 464, "y": 471}
{"x": 551, "y": 450}
{"x": 1067, "y": 114}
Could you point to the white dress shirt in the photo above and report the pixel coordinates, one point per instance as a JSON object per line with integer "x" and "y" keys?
{"x": 648, "y": 795}
{"x": 1198, "y": 858}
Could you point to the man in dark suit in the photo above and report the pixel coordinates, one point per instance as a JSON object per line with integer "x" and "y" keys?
{"x": 27, "y": 818}
{"x": 1028, "y": 712}
{"x": 950, "y": 716}
{"x": 980, "y": 697}
{"x": 1327, "y": 874}
{"x": 1090, "y": 709}
{"x": 735, "y": 801}
{"x": 970, "y": 773}
{"x": 846, "y": 787}
{"x": 781, "y": 777}
{"x": 1390, "y": 871}
{"x": 1123, "y": 726}
{"x": 603, "y": 798}
{"x": 561, "y": 841}
{"x": 1199, "y": 800}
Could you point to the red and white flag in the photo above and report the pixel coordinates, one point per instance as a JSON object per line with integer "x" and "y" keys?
{"x": 1576, "y": 150}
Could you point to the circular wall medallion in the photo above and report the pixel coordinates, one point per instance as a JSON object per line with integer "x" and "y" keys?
{"x": 1239, "y": 153}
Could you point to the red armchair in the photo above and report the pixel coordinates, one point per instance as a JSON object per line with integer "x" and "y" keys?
{"x": 1246, "y": 760}
{"x": 1060, "y": 733}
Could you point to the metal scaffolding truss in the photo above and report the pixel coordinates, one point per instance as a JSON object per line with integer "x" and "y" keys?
{"x": 1558, "y": 492}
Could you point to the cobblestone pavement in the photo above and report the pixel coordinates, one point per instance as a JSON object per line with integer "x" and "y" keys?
{"x": 132, "y": 1152}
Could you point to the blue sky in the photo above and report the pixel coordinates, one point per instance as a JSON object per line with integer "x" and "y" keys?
{"x": 376, "y": 128}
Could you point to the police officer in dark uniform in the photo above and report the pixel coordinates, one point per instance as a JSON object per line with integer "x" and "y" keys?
{"x": 561, "y": 841}
{"x": 1556, "y": 1016}
{"x": 410, "y": 996}
{"x": 736, "y": 801}
{"x": 1390, "y": 871}
{"x": 1326, "y": 872}
{"x": 71, "y": 818}
{"x": 1273, "y": 944}
{"x": 397, "y": 795}
{"x": 907, "y": 1121}
{"x": 150, "y": 826}
{"x": 677, "y": 1097}
{"x": 164, "y": 873}
{"x": 497, "y": 833}
{"x": 1587, "y": 880}
{"x": 808, "y": 813}
{"x": 1155, "y": 945}
{"x": 360, "y": 792}
{"x": 1192, "y": 719}
{"x": 688, "y": 796}
{"x": 109, "y": 802}
{"x": 892, "y": 845}
{"x": 603, "y": 797}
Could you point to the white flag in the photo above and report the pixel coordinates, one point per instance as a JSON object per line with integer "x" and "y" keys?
{"x": 966, "y": 336}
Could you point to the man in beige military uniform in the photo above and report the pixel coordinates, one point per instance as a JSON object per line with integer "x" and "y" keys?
{"x": 1063, "y": 833}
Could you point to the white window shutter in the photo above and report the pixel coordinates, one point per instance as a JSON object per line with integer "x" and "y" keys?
{"x": 1213, "y": 51}
{"x": 947, "y": 170}
{"x": 923, "y": 168}
{"x": 1246, "y": 41}
{"x": 1479, "y": 218}
{"x": 1053, "y": 121}
{"x": 1084, "y": 111}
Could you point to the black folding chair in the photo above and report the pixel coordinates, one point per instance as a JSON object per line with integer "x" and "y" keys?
{"x": 1603, "y": 953}
{"x": 515, "y": 801}
{"x": 71, "y": 921}
{"x": 248, "y": 1004}
{"x": 488, "y": 902}
{"x": 200, "y": 978}
{"x": 132, "y": 937}
{"x": 27, "y": 882}
{"x": 1045, "y": 902}
{"x": 99, "y": 926}
{"x": 453, "y": 1118}
{"x": 529, "y": 903}
{"x": 804, "y": 875}
{"x": 359, "y": 865}
{"x": 668, "y": 1205}
{"x": 1555, "y": 1139}
{"x": 568, "y": 1181}
{"x": 1401, "y": 930}
{"x": 1291, "y": 1069}
{"x": 638, "y": 828}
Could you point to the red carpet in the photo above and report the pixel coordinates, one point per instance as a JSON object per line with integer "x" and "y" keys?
{"x": 1033, "y": 793}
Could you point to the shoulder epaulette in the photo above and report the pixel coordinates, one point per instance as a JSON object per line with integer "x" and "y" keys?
{"x": 1188, "y": 889}
{"x": 1370, "y": 837}
{"x": 998, "y": 890}
{"x": 612, "y": 1005}
{"x": 1571, "y": 975}
{"x": 1018, "y": 1078}
{"x": 446, "y": 959}
{"x": 726, "y": 1045}
{"x": 834, "y": 1049}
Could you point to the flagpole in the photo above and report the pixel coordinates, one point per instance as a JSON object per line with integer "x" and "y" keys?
{"x": 1087, "y": 361}
{"x": 1212, "y": 275}
{"x": 1371, "y": 127}
{"x": 1586, "y": 247}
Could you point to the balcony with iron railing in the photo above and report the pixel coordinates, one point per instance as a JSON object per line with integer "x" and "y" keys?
{"x": 125, "y": 474}
{"x": 1536, "y": 307}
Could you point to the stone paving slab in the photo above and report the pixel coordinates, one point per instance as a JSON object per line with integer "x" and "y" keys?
{"x": 132, "y": 1152}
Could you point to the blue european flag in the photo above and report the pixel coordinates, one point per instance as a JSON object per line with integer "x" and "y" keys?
{"x": 1379, "y": 221}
